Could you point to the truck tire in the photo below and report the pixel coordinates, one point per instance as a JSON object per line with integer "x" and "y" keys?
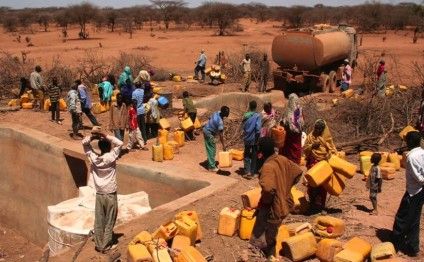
{"x": 325, "y": 83}
{"x": 333, "y": 81}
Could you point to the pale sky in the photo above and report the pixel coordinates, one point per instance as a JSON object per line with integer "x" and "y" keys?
{"x": 192, "y": 3}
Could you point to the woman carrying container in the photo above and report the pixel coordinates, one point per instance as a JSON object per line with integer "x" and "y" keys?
{"x": 293, "y": 124}
{"x": 319, "y": 146}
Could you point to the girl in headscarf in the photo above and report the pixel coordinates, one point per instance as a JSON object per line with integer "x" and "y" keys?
{"x": 268, "y": 120}
{"x": 293, "y": 124}
{"x": 319, "y": 146}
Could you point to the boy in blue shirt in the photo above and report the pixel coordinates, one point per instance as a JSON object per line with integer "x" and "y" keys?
{"x": 251, "y": 130}
{"x": 214, "y": 127}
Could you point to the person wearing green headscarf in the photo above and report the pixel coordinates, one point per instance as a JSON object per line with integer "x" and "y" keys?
{"x": 127, "y": 74}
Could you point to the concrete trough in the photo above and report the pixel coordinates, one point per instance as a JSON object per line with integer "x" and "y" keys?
{"x": 38, "y": 170}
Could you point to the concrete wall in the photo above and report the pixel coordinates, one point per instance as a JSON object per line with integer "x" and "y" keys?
{"x": 237, "y": 101}
{"x": 38, "y": 170}
{"x": 33, "y": 175}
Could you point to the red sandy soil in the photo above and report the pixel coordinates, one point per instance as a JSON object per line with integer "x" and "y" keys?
{"x": 176, "y": 51}
{"x": 351, "y": 205}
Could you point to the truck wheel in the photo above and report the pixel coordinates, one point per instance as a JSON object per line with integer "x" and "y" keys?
{"x": 333, "y": 81}
{"x": 325, "y": 83}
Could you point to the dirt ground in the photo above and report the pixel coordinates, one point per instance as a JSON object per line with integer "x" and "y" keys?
{"x": 352, "y": 205}
{"x": 176, "y": 50}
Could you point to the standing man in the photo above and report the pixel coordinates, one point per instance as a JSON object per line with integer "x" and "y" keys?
{"x": 406, "y": 228}
{"x": 74, "y": 107}
{"x": 200, "y": 66}
{"x": 247, "y": 72}
{"x": 347, "y": 76}
{"x": 264, "y": 74}
{"x": 103, "y": 172}
{"x": 278, "y": 175}
{"x": 251, "y": 131}
{"x": 137, "y": 97}
{"x": 37, "y": 86}
{"x": 86, "y": 102}
{"x": 214, "y": 127}
{"x": 126, "y": 75}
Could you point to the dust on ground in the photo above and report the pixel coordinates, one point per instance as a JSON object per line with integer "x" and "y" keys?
{"x": 177, "y": 51}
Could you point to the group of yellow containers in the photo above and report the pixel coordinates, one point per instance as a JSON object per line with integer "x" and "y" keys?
{"x": 172, "y": 241}
{"x": 390, "y": 90}
{"x": 389, "y": 164}
{"x": 232, "y": 220}
{"x": 225, "y": 158}
{"x": 165, "y": 149}
{"x": 26, "y": 102}
{"x": 331, "y": 174}
{"x": 300, "y": 241}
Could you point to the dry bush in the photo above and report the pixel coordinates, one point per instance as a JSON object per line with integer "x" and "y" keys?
{"x": 135, "y": 60}
{"x": 160, "y": 75}
{"x": 418, "y": 70}
{"x": 92, "y": 67}
{"x": 354, "y": 119}
{"x": 11, "y": 70}
{"x": 234, "y": 70}
{"x": 64, "y": 74}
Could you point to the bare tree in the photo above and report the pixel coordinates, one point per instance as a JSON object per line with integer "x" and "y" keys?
{"x": 111, "y": 17}
{"x": 10, "y": 23}
{"x": 63, "y": 19}
{"x": 296, "y": 15}
{"x": 222, "y": 14}
{"x": 25, "y": 18}
{"x": 44, "y": 21}
{"x": 260, "y": 12}
{"x": 127, "y": 22}
{"x": 82, "y": 14}
{"x": 167, "y": 9}
{"x": 370, "y": 15}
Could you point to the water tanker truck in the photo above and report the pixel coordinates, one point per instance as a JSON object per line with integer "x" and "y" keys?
{"x": 311, "y": 59}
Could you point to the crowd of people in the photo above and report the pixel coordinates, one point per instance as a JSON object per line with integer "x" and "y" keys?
{"x": 277, "y": 168}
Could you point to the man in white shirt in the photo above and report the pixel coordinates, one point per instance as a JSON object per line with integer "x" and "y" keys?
{"x": 103, "y": 172}
{"x": 247, "y": 72}
{"x": 406, "y": 228}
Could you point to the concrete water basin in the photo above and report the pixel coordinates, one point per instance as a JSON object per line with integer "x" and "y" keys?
{"x": 38, "y": 170}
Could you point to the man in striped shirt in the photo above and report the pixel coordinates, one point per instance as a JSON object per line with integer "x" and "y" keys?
{"x": 54, "y": 94}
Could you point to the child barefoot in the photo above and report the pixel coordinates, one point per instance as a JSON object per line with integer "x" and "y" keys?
{"x": 374, "y": 181}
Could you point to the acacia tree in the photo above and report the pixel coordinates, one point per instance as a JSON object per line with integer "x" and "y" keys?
{"x": 25, "y": 18}
{"x": 222, "y": 14}
{"x": 10, "y": 23}
{"x": 44, "y": 21}
{"x": 82, "y": 14}
{"x": 167, "y": 8}
{"x": 111, "y": 18}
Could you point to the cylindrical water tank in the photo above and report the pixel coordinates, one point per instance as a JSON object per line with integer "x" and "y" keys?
{"x": 310, "y": 51}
